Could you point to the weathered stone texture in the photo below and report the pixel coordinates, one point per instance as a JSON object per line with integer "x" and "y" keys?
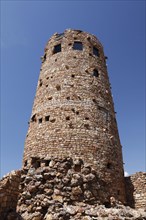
{"x": 61, "y": 189}
{"x": 136, "y": 190}
{"x": 9, "y": 190}
{"x": 73, "y": 112}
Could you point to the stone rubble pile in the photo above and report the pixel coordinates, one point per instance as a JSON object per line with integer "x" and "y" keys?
{"x": 66, "y": 190}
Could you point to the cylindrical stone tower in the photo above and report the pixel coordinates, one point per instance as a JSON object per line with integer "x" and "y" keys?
{"x": 73, "y": 112}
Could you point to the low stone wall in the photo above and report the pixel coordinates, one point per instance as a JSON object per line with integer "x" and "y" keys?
{"x": 9, "y": 190}
{"x": 136, "y": 190}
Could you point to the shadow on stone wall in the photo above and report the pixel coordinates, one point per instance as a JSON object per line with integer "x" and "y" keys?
{"x": 129, "y": 192}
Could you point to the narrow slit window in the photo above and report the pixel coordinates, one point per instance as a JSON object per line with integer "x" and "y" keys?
{"x": 95, "y": 51}
{"x": 78, "y": 45}
{"x": 57, "y": 48}
{"x": 95, "y": 73}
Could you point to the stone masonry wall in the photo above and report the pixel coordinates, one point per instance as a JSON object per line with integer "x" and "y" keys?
{"x": 9, "y": 190}
{"x": 136, "y": 190}
{"x": 73, "y": 111}
{"x": 59, "y": 189}
{"x": 65, "y": 189}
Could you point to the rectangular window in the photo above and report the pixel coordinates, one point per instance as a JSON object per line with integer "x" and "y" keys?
{"x": 95, "y": 51}
{"x": 47, "y": 118}
{"x": 57, "y": 48}
{"x": 78, "y": 45}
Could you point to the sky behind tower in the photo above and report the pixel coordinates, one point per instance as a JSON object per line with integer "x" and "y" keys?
{"x": 26, "y": 26}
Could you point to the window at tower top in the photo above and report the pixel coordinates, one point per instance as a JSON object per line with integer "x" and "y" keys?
{"x": 95, "y": 51}
{"x": 78, "y": 45}
{"x": 57, "y": 48}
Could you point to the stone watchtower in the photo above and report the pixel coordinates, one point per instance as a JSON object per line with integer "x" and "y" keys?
{"x": 73, "y": 111}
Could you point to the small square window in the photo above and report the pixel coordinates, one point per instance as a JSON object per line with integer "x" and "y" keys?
{"x": 95, "y": 51}
{"x": 40, "y": 120}
{"x": 95, "y": 73}
{"x": 78, "y": 45}
{"x": 57, "y": 49}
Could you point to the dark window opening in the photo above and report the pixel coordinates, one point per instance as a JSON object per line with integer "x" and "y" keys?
{"x": 68, "y": 98}
{"x": 47, "y": 162}
{"x": 35, "y": 162}
{"x": 77, "y": 46}
{"x": 40, "y": 120}
{"x": 86, "y": 126}
{"x": 58, "y": 87}
{"x": 94, "y": 100}
{"x": 55, "y": 60}
{"x": 67, "y": 67}
{"x": 77, "y": 112}
{"x": 118, "y": 192}
{"x": 47, "y": 77}
{"x": 57, "y": 49}
{"x": 67, "y": 118}
{"x": 25, "y": 163}
{"x": 40, "y": 83}
{"x": 109, "y": 165}
{"x": 72, "y": 75}
{"x": 95, "y": 51}
{"x": 69, "y": 44}
{"x": 46, "y": 85}
{"x": 47, "y": 118}
{"x": 45, "y": 57}
{"x": 33, "y": 118}
{"x": 95, "y": 73}
{"x": 86, "y": 118}
{"x": 77, "y": 167}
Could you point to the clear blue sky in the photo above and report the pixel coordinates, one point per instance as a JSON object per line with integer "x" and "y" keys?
{"x": 25, "y": 28}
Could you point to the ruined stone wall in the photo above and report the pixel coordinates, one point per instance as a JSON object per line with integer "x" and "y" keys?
{"x": 9, "y": 190}
{"x": 136, "y": 190}
{"x": 67, "y": 189}
{"x": 73, "y": 112}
